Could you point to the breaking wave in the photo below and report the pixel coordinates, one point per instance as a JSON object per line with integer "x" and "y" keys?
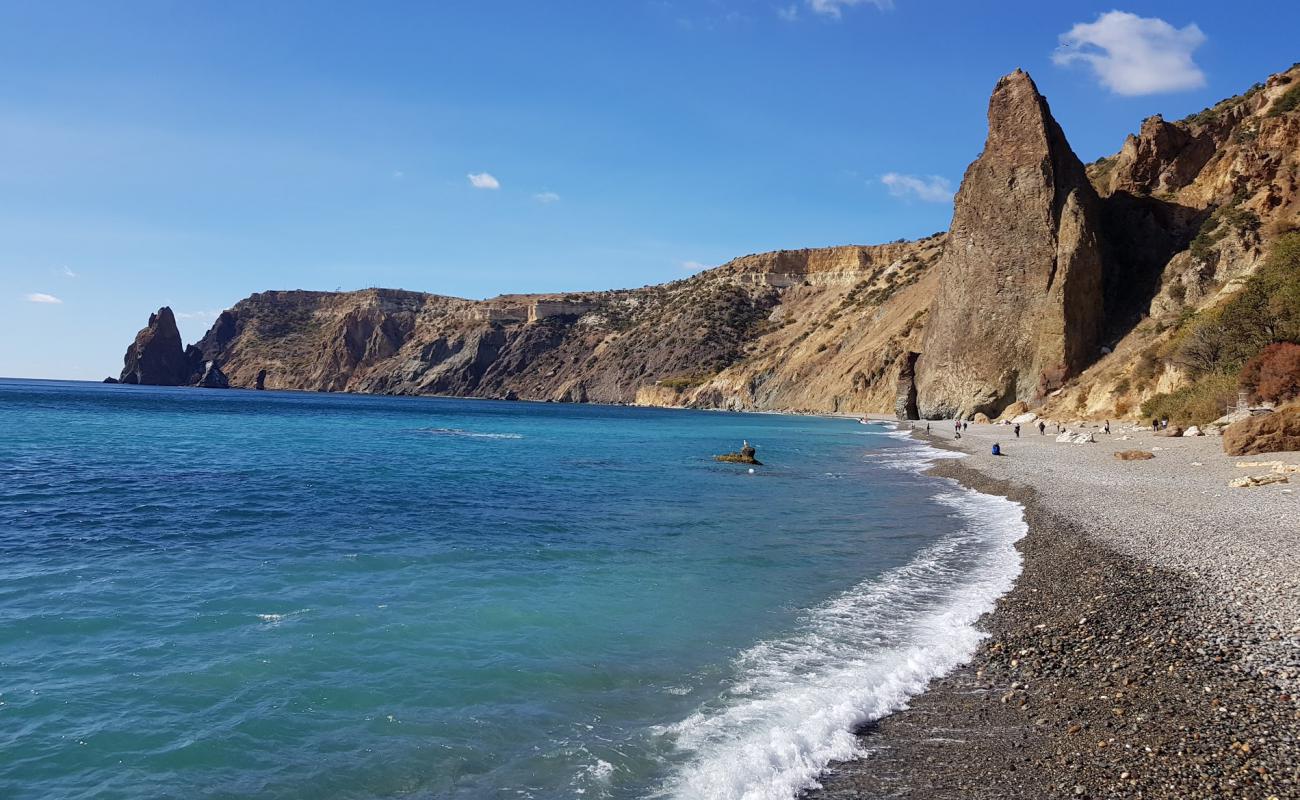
{"x": 794, "y": 702}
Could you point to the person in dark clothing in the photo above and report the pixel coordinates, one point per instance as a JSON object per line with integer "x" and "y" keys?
{"x": 1017, "y": 430}
{"x": 1042, "y": 427}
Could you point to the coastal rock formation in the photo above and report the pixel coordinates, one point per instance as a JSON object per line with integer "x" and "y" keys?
{"x": 745, "y": 456}
{"x": 157, "y": 357}
{"x": 1268, "y": 433}
{"x": 212, "y": 377}
{"x": 1161, "y": 157}
{"x": 905, "y": 406}
{"x": 781, "y": 329}
{"x": 1192, "y": 208}
{"x": 1019, "y": 303}
{"x": 1047, "y": 293}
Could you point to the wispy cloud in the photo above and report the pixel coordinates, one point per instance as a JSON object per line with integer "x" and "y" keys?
{"x": 41, "y": 297}
{"x": 692, "y": 266}
{"x": 546, "y": 198}
{"x": 1134, "y": 55}
{"x": 197, "y": 314}
{"x": 835, "y": 8}
{"x": 788, "y": 13}
{"x": 483, "y": 180}
{"x": 398, "y": 174}
{"x": 929, "y": 188}
{"x": 68, "y": 273}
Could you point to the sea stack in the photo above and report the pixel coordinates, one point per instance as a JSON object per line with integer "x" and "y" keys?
{"x": 156, "y": 357}
{"x": 1019, "y": 304}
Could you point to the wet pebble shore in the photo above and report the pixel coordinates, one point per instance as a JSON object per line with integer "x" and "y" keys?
{"x": 1103, "y": 676}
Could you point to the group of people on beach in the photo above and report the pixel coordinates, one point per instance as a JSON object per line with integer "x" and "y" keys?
{"x": 960, "y": 425}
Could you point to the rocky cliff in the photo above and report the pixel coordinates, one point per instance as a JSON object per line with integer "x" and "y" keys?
{"x": 1019, "y": 302}
{"x": 776, "y": 329}
{"x": 1048, "y": 268}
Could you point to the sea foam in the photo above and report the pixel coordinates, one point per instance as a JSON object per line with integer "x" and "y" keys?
{"x": 795, "y": 701}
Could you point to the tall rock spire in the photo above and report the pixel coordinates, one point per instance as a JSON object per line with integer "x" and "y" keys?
{"x": 156, "y": 356}
{"x": 1019, "y": 305}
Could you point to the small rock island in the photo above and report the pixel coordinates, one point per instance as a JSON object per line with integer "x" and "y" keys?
{"x": 745, "y": 456}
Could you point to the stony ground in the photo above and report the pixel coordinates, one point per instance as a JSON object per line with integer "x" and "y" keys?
{"x": 1150, "y": 649}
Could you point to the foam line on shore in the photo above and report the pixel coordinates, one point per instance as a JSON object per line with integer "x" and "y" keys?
{"x": 795, "y": 701}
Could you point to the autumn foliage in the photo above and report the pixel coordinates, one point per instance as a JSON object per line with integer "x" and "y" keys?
{"x": 1273, "y": 375}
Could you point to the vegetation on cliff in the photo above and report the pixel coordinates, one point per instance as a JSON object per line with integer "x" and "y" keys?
{"x": 1241, "y": 344}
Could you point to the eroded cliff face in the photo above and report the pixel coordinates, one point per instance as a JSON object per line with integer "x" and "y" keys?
{"x": 1194, "y": 206}
{"x": 1019, "y": 301}
{"x": 1048, "y": 268}
{"x": 818, "y": 329}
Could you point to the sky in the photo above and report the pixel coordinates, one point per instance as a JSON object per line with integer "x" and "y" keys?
{"x": 189, "y": 153}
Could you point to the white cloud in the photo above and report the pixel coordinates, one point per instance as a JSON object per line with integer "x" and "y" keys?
{"x": 692, "y": 266}
{"x": 483, "y": 180}
{"x": 1134, "y": 55}
{"x": 788, "y": 13}
{"x": 68, "y": 273}
{"x": 833, "y": 8}
{"x": 197, "y": 314}
{"x": 546, "y": 198}
{"x": 931, "y": 188}
{"x": 41, "y": 297}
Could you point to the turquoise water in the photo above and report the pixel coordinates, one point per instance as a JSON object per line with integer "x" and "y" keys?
{"x": 284, "y": 595}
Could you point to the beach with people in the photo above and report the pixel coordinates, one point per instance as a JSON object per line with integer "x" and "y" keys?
{"x": 1150, "y": 647}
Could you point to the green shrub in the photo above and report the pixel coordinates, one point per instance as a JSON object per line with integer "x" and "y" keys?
{"x": 1203, "y": 401}
{"x": 1289, "y": 101}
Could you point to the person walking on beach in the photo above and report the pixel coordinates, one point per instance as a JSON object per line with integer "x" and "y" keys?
{"x": 1017, "y": 430}
{"x": 1106, "y": 427}
{"x": 1155, "y": 424}
{"x": 1042, "y": 427}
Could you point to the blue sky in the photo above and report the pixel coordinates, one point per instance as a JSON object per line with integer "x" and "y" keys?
{"x": 190, "y": 153}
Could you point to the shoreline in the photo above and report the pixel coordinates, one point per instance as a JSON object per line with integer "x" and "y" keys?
{"x": 1104, "y": 673}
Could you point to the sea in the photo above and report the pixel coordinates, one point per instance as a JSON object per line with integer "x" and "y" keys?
{"x": 240, "y": 594}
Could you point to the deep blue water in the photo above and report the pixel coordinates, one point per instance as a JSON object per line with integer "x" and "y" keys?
{"x": 290, "y": 595}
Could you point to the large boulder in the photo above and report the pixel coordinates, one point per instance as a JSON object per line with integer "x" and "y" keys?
{"x": 1269, "y": 433}
{"x": 1019, "y": 304}
{"x": 1015, "y": 409}
{"x": 1135, "y": 455}
{"x": 156, "y": 357}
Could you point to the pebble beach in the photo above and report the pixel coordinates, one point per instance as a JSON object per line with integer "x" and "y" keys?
{"x": 1150, "y": 647}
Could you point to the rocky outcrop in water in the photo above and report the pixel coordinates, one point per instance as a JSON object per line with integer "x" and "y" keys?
{"x": 746, "y": 455}
{"x": 212, "y": 377}
{"x": 157, "y": 356}
{"x": 1019, "y": 303}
